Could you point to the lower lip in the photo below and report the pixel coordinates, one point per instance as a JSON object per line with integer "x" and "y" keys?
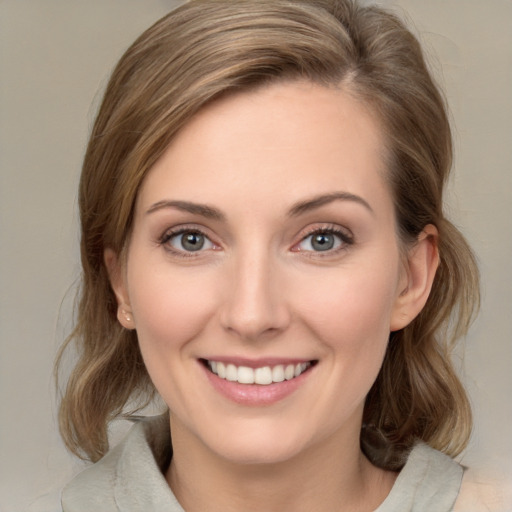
{"x": 256, "y": 395}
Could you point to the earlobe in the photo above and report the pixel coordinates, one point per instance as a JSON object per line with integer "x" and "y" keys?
{"x": 125, "y": 318}
{"x": 420, "y": 270}
{"x": 117, "y": 282}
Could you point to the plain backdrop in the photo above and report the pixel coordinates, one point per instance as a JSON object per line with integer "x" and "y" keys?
{"x": 56, "y": 56}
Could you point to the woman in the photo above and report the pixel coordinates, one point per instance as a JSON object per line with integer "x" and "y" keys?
{"x": 264, "y": 246}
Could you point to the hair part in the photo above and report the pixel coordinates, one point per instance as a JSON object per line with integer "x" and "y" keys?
{"x": 209, "y": 48}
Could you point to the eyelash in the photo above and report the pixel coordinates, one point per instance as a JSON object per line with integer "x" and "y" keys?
{"x": 170, "y": 234}
{"x": 345, "y": 238}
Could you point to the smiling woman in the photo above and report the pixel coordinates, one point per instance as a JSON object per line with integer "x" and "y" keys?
{"x": 267, "y": 265}
{"x": 264, "y": 246}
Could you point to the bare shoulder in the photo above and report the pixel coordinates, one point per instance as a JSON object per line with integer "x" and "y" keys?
{"x": 481, "y": 492}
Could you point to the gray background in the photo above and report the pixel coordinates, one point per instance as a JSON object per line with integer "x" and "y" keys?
{"x": 55, "y": 58}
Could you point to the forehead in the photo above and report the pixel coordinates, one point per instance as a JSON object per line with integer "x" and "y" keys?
{"x": 284, "y": 140}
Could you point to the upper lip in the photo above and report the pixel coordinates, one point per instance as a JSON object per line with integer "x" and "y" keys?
{"x": 258, "y": 362}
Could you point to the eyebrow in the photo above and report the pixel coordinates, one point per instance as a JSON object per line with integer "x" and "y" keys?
{"x": 299, "y": 208}
{"x": 204, "y": 210}
{"x": 321, "y": 200}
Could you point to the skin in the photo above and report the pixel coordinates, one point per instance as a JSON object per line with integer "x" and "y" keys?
{"x": 260, "y": 289}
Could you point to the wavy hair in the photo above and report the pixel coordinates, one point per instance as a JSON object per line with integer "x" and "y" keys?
{"x": 209, "y": 48}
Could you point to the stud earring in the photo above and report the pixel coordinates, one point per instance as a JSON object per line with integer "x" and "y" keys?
{"x": 127, "y": 316}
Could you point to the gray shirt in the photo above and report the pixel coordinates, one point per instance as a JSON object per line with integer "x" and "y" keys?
{"x": 130, "y": 478}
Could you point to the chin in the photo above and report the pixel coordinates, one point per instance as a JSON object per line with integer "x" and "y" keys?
{"x": 257, "y": 445}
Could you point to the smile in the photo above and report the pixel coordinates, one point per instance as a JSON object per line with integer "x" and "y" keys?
{"x": 263, "y": 376}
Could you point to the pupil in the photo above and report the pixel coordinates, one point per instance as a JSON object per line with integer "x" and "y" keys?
{"x": 192, "y": 241}
{"x": 322, "y": 242}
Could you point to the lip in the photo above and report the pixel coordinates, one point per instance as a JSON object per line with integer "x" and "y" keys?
{"x": 256, "y": 395}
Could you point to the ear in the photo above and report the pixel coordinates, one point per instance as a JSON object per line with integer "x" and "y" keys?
{"x": 118, "y": 283}
{"x": 419, "y": 272}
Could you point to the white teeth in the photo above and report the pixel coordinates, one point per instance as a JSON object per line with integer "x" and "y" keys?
{"x": 289, "y": 372}
{"x": 221, "y": 370}
{"x": 299, "y": 368}
{"x": 278, "y": 373}
{"x": 231, "y": 373}
{"x": 245, "y": 375}
{"x": 263, "y": 376}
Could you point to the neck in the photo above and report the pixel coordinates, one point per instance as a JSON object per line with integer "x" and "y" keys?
{"x": 323, "y": 478}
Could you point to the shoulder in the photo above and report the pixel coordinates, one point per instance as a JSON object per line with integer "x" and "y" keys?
{"x": 129, "y": 477}
{"x": 481, "y": 491}
{"x": 430, "y": 480}
{"x": 92, "y": 489}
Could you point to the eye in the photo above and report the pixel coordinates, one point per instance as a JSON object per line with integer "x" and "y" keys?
{"x": 324, "y": 240}
{"x": 188, "y": 241}
{"x": 319, "y": 242}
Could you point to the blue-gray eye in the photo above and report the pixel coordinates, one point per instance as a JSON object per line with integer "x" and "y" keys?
{"x": 321, "y": 241}
{"x": 190, "y": 241}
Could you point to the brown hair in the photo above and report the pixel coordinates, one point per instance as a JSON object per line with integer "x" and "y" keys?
{"x": 207, "y": 48}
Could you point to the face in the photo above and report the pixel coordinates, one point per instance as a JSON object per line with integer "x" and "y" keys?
{"x": 264, "y": 274}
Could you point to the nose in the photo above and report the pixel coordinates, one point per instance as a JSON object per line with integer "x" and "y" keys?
{"x": 255, "y": 302}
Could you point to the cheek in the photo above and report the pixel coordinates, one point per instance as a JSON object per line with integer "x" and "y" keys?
{"x": 350, "y": 312}
{"x": 350, "y": 318}
{"x": 168, "y": 309}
